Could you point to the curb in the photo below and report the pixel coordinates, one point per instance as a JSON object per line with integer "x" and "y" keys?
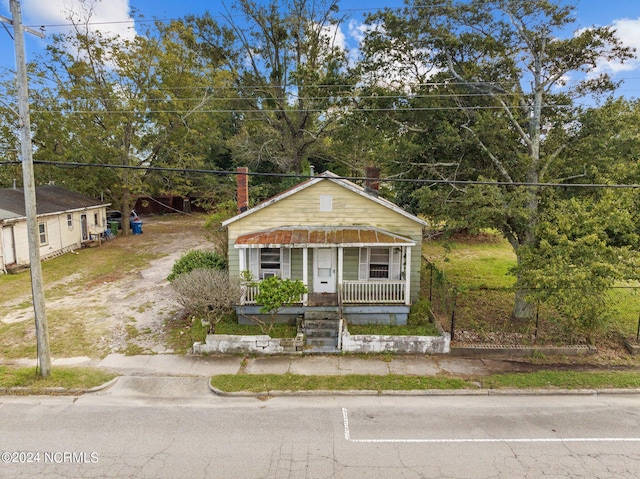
{"x": 25, "y": 391}
{"x": 431, "y": 392}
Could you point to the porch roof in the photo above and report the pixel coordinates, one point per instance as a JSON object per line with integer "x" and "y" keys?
{"x": 318, "y": 237}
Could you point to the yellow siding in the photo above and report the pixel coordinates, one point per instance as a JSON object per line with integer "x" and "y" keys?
{"x": 349, "y": 209}
{"x": 303, "y": 209}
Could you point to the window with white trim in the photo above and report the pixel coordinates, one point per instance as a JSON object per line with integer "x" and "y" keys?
{"x": 42, "y": 233}
{"x": 70, "y": 221}
{"x": 380, "y": 263}
{"x": 265, "y": 262}
{"x": 269, "y": 262}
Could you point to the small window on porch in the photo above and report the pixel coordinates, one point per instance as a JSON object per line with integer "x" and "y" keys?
{"x": 269, "y": 262}
{"x": 379, "y": 263}
{"x": 265, "y": 262}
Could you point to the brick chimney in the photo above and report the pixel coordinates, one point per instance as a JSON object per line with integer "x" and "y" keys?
{"x": 371, "y": 184}
{"x": 243, "y": 189}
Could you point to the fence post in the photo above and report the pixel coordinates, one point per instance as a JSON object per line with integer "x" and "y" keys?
{"x": 430, "y": 282}
{"x": 638, "y": 333}
{"x": 453, "y": 315}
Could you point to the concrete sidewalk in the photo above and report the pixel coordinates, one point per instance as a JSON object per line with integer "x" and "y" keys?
{"x": 171, "y": 376}
{"x": 172, "y": 365}
{"x": 204, "y": 366}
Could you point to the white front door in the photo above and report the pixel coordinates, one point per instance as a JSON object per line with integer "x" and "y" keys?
{"x": 324, "y": 270}
{"x": 8, "y": 245}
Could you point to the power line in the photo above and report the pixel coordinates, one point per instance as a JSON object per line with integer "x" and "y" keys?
{"x": 292, "y": 110}
{"x": 349, "y": 178}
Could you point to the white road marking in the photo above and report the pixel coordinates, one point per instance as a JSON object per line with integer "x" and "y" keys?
{"x": 347, "y": 436}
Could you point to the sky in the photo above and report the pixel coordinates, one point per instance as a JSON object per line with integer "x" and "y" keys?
{"x": 113, "y": 15}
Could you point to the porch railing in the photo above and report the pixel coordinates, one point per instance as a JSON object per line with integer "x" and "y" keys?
{"x": 373, "y": 292}
{"x": 352, "y": 292}
{"x": 251, "y": 290}
{"x": 249, "y": 293}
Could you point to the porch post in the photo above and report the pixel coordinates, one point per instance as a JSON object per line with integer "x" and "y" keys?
{"x": 340, "y": 265}
{"x": 305, "y": 273}
{"x": 242, "y": 261}
{"x": 407, "y": 277}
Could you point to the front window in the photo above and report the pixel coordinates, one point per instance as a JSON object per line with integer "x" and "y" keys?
{"x": 379, "y": 263}
{"x": 269, "y": 262}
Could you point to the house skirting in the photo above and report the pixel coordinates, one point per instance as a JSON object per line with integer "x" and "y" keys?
{"x": 357, "y": 314}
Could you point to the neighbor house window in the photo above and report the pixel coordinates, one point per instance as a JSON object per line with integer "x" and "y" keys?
{"x": 95, "y": 219}
{"x": 42, "y": 232}
{"x": 70, "y": 221}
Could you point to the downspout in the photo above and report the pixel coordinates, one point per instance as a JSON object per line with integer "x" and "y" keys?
{"x": 4, "y": 266}
{"x": 407, "y": 279}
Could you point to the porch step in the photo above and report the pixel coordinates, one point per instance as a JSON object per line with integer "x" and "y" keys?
{"x": 313, "y": 324}
{"x": 323, "y": 314}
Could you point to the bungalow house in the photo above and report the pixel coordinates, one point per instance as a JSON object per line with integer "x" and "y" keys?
{"x": 358, "y": 254}
{"x": 66, "y": 220}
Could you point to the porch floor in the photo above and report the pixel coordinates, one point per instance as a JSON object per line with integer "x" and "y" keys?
{"x": 322, "y": 299}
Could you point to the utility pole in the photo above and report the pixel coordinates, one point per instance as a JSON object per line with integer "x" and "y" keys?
{"x": 33, "y": 234}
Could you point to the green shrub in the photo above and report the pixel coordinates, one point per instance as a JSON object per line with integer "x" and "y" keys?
{"x": 197, "y": 259}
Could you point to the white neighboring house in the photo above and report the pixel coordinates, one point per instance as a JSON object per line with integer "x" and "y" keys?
{"x": 66, "y": 220}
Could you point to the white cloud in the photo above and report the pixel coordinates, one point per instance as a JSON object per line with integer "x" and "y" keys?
{"x": 335, "y": 36}
{"x": 357, "y": 30}
{"x": 107, "y": 16}
{"x": 628, "y": 31}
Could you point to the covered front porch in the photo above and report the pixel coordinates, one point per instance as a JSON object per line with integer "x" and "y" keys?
{"x": 339, "y": 266}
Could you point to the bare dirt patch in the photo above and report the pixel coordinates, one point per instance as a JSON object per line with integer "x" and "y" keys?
{"x": 120, "y": 312}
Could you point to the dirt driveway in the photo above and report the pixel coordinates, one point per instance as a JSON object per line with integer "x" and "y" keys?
{"x": 127, "y": 312}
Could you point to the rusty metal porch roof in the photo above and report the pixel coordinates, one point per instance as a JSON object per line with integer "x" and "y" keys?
{"x": 317, "y": 237}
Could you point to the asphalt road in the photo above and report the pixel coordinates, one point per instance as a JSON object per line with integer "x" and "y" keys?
{"x": 125, "y": 434}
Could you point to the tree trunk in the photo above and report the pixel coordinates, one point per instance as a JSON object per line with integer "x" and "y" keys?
{"x": 523, "y": 310}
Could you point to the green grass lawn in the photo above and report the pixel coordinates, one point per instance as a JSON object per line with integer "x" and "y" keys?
{"x": 536, "y": 380}
{"x": 479, "y": 267}
{"x": 68, "y": 378}
{"x": 473, "y": 262}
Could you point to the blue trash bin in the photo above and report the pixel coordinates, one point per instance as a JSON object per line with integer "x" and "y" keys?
{"x": 136, "y": 227}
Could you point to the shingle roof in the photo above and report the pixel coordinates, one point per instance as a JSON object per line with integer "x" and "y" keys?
{"x": 49, "y": 199}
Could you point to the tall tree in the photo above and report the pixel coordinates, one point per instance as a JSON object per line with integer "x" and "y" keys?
{"x": 289, "y": 71}
{"x": 127, "y": 104}
{"x": 507, "y": 63}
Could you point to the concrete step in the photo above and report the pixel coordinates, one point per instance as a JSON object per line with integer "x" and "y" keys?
{"x": 321, "y": 350}
{"x": 321, "y": 315}
{"x": 321, "y": 342}
{"x": 321, "y": 333}
{"x": 321, "y": 324}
